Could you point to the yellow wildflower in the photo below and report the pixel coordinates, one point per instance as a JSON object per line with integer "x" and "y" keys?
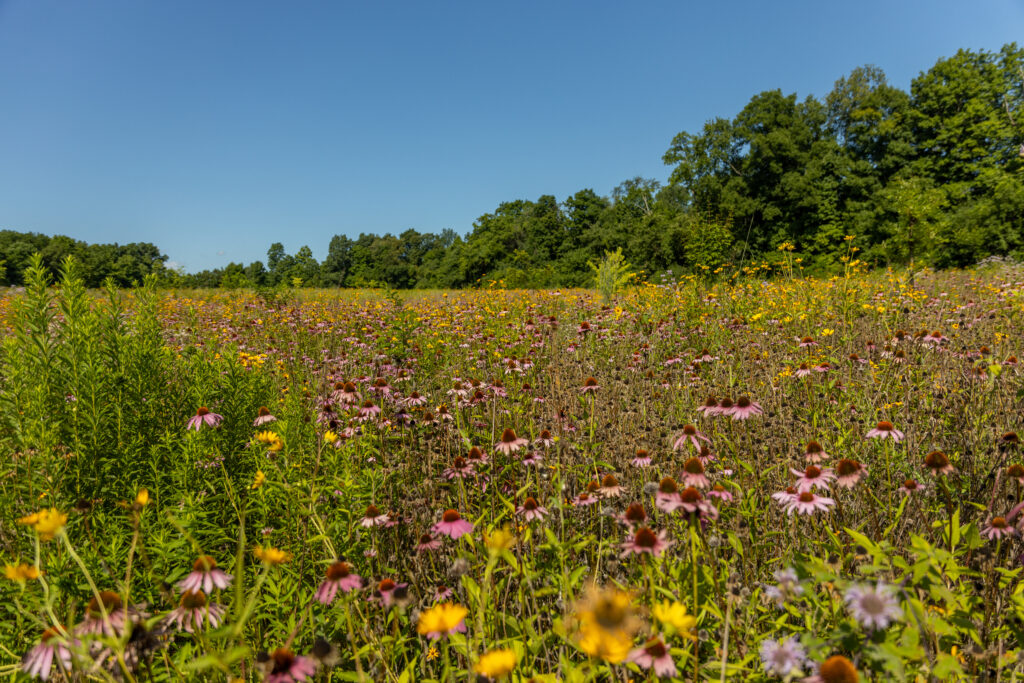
{"x": 259, "y": 480}
{"x": 432, "y": 653}
{"x": 496, "y": 663}
{"x": 500, "y": 540}
{"x": 271, "y": 556}
{"x": 141, "y": 499}
{"x": 442, "y": 619}
{"x": 21, "y": 572}
{"x": 674, "y": 614}
{"x": 330, "y": 437}
{"x": 607, "y": 623}
{"x": 47, "y": 523}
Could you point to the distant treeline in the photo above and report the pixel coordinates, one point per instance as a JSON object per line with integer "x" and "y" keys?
{"x": 930, "y": 177}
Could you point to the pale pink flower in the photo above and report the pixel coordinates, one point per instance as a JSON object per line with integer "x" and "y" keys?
{"x": 691, "y": 435}
{"x": 645, "y": 540}
{"x": 813, "y": 477}
{"x": 453, "y": 525}
{"x": 885, "y": 430}
{"x": 654, "y": 654}
{"x": 807, "y": 503}
{"x": 339, "y": 577}
{"x": 531, "y": 509}
{"x": 202, "y": 417}
{"x": 205, "y": 576}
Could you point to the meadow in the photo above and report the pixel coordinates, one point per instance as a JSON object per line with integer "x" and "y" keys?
{"x": 752, "y": 480}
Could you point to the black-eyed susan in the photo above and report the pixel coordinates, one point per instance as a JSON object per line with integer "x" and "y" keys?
{"x": 47, "y": 522}
{"x": 496, "y": 663}
{"x": 21, "y": 572}
{"x": 271, "y": 556}
{"x": 442, "y": 619}
{"x": 606, "y": 624}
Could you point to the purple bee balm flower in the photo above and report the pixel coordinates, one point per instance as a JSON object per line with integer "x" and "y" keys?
{"x": 339, "y": 577}
{"x": 782, "y": 658}
{"x": 453, "y": 525}
{"x": 202, "y": 417}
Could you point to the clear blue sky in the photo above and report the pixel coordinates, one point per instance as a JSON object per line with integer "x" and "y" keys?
{"x": 213, "y": 128}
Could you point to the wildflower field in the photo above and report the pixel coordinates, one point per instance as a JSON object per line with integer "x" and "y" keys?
{"x": 792, "y": 479}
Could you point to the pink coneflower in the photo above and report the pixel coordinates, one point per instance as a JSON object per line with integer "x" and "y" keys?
{"x": 373, "y": 517}
{"x": 803, "y": 371}
{"x": 531, "y": 458}
{"x": 444, "y": 414}
{"x": 510, "y": 443}
{"x": 646, "y": 541}
{"x": 51, "y": 649}
{"x": 476, "y": 455}
{"x": 813, "y": 477}
{"x": 345, "y": 392}
{"x": 610, "y": 487}
{"x": 720, "y": 492}
{"x": 388, "y": 591}
{"x": 693, "y": 474}
{"x": 284, "y": 666}
{"x": 545, "y": 439}
{"x": 584, "y": 499}
{"x": 705, "y": 357}
{"x": 998, "y": 528}
{"x": 814, "y": 453}
{"x": 849, "y": 472}
{"x": 193, "y": 610}
{"x": 654, "y": 654}
{"x": 642, "y": 459}
{"x": 415, "y": 399}
{"x": 807, "y": 503}
{"x": 854, "y": 358}
{"x": 725, "y": 406}
{"x": 874, "y": 607}
{"x": 590, "y": 386}
{"x": 784, "y": 498}
{"x": 428, "y": 542}
{"x": 910, "y": 487}
{"x": 453, "y": 525}
{"x": 205, "y": 576}
{"x": 937, "y": 463}
{"x": 531, "y": 509}
{"x": 693, "y": 502}
{"x": 584, "y": 328}
{"x": 710, "y": 407}
{"x": 705, "y": 455}
{"x": 460, "y": 469}
{"x": 668, "y": 499}
{"x": 380, "y": 386}
{"x": 202, "y": 417}
{"x": 339, "y": 577}
{"x": 634, "y": 514}
{"x": 691, "y": 435}
{"x": 885, "y": 430}
{"x": 745, "y": 409}
{"x": 113, "y": 625}
{"x": 367, "y": 411}
{"x": 806, "y": 342}
{"x": 442, "y": 593}
{"x": 823, "y": 367}
{"x": 1016, "y": 471}
{"x": 263, "y": 417}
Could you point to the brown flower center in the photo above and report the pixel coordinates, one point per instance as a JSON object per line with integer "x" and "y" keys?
{"x": 645, "y": 538}
{"x": 204, "y": 563}
{"x": 668, "y": 485}
{"x": 635, "y": 513}
{"x": 936, "y": 460}
{"x": 111, "y": 602}
{"x": 884, "y": 426}
{"x": 202, "y": 411}
{"x": 812, "y": 472}
{"x": 338, "y": 570}
{"x": 691, "y": 495}
{"x": 693, "y": 466}
{"x": 846, "y": 468}
{"x": 530, "y": 503}
{"x": 264, "y": 411}
{"x": 838, "y": 669}
{"x": 193, "y": 599}
{"x": 508, "y": 436}
{"x": 813, "y": 447}
{"x": 998, "y": 523}
{"x": 806, "y": 497}
{"x": 451, "y": 516}
{"x": 372, "y": 512}
{"x": 609, "y": 481}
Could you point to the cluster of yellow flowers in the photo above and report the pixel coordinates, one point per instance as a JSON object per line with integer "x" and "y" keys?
{"x": 47, "y": 523}
{"x": 272, "y": 440}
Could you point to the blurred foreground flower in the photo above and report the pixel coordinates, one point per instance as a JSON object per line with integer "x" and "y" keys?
{"x": 21, "y": 572}
{"x": 271, "y": 555}
{"x": 496, "y": 663}
{"x": 607, "y": 621}
{"x": 443, "y": 619}
{"x": 47, "y": 523}
{"x": 674, "y": 614}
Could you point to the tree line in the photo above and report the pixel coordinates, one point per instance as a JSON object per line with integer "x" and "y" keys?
{"x": 933, "y": 176}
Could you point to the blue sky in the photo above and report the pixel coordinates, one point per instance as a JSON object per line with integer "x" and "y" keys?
{"x": 215, "y": 128}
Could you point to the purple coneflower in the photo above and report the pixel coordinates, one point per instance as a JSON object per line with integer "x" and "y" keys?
{"x": 646, "y": 540}
{"x": 339, "y": 577}
{"x": 113, "y": 625}
{"x": 885, "y": 430}
{"x": 807, "y": 503}
{"x": 938, "y": 463}
{"x": 584, "y": 499}
{"x": 590, "y": 386}
{"x": 693, "y": 474}
{"x": 460, "y": 469}
{"x": 192, "y": 610}
{"x": 373, "y": 517}
{"x": 668, "y": 499}
{"x": 510, "y": 443}
{"x": 784, "y": 498}
{"x": 345, "y": 392}
{"x": 284, "y": 666}
{"x": 806, "y": 342}
{"x": 642, "y": 459}
{"x": 710, "y": 407}
{"x": 998, "y": 528}
{"x": 634, "y": 515}
{"x": 367, "y": 411}
{"x": 1016, "y": 471}
{"x": 610, "y": 487}
{"x": 654, "y": 654}
{"x": 720, "y": 492}
{"x": 205, "y": 576}
{"x": 415, "y": 399}
{"x": 476, "y": 455}
{"x": 803, "y": 371}
{"x": 849, "y": 472}
{"x": 545, "y": 439}
{"x": 745, "y": 409}
{"x": 388, "y": 591}
{"x": 812, "y": 477}
{"x": 691, "y": 435}
{"x": 531, "y": 509}
{"x": 814, "y": 453}
{"x": 705, "y": 455}
{"x": 51, "y": 649}
{"x": 380, "y": 386}
{"x": 202, "y": 417}
{"x": 873, "y": 607}
{"x": 911, "y": 486}
{"x": 428, "y": 542}
{"x": 453, "y": 525}
{"x": 263, "y": 417}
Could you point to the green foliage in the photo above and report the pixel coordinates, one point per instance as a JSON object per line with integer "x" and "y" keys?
{"x": 611, "y": 274}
